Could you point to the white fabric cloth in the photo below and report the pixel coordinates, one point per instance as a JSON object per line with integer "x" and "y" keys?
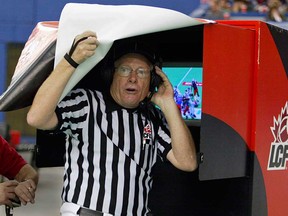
{"x": 112, "y": 22}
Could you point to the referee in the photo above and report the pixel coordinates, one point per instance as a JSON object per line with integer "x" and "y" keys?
{"x": 113, "y": 136}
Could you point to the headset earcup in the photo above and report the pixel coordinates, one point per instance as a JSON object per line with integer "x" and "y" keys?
{"x": 107, "y": 77}
{"x": 152, "y": 81}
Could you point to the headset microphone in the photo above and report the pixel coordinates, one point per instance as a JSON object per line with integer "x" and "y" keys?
{"x": 144, "y": 104}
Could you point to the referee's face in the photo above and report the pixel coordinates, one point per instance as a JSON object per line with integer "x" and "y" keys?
{"x": 131, "y": 80}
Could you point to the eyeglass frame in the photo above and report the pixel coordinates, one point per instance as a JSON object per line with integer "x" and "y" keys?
{"x": 130, "y": 70}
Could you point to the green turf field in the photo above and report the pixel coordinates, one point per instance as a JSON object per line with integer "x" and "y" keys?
{"x": 178, "y": 75}
{"x": 182, "y": 78}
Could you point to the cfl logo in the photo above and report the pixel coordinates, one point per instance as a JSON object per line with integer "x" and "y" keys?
{"x": 278, "y": 156}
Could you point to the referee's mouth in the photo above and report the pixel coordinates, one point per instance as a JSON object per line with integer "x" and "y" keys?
{"x": 131, "y": 90}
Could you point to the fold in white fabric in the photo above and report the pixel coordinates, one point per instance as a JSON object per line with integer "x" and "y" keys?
{"x": 112, "y": 22}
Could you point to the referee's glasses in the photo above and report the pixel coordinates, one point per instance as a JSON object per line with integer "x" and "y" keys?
{"x": 125, "y": 71}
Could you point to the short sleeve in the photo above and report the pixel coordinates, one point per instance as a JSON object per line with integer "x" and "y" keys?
{"x": 72, "y": 106}
{"x": 163, "y": 134}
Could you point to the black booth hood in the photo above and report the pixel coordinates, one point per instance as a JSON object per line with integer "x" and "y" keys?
{"x": 50, "y": 40}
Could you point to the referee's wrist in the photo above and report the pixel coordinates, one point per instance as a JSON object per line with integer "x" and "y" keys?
{"x": 71, "y": 61}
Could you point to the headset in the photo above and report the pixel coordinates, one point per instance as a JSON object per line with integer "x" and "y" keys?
{"x": 122, "y": 47}
{"x": 156, "y": 80}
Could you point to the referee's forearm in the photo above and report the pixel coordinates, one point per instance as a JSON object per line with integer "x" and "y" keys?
{"x": 47, "y": 97}
{"x": 183, "y": 146}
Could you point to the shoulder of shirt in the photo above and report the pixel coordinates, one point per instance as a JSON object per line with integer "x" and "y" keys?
{"x": 85, "y": 91}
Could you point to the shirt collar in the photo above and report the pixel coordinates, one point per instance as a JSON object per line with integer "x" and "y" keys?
{"x": 112, "y": 105}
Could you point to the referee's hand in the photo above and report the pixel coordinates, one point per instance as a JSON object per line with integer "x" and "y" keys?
{"x": 87, "y": 44}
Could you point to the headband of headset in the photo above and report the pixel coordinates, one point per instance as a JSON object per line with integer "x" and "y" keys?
{"x": 123, "y": 47}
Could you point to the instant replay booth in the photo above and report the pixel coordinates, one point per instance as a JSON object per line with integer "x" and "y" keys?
{"x": 230, "y": 79}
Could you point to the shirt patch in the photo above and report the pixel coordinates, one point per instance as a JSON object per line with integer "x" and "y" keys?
{"x": 147, "y": 135}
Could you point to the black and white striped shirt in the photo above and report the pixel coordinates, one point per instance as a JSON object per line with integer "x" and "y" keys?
{"x": 110, "y": 152}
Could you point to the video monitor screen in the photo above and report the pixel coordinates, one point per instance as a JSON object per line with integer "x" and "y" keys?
{"x": 187, "y": 84}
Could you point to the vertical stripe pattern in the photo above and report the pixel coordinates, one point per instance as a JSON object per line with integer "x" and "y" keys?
{"x": 109, "y": 154}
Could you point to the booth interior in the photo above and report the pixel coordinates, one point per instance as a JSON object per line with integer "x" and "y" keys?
{"x": 174, "y": 192}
